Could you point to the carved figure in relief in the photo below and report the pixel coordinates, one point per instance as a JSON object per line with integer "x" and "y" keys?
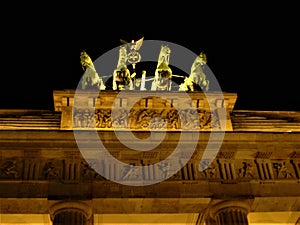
{"x": 249, "y": 170}
{"x": 133, "y": 118}
{"x": 189, "y": 119}
{"x": 208, "y": 170}
{"x": 88, "y": 172}
{"x": 282, "y": 170}
{"x": 101, "y": 118}
{"x": 157, "y": 123}
{"x": 87, "y": 119}
{"x": 77, "y": 118}
{"x": 50, "y": 170}
{"x": 144, "y": 118}
{"x": 9, "y": 168}
{"x": 246, "y": 171}
{"x": 215, "y": 122}
{"x": 204, "y": 120}
{"x": 165, "y": 168}
{"x": 107, "y": 119}
{"x": 90, "y": 79}
{"x": 120, "y": 119}
{"x": 211, "y": 172}
{"x": 83, "y": 119}
{"x": 99, "y": 114}
{"x": 172, "y": 119}
{"x": 130, "y": 173}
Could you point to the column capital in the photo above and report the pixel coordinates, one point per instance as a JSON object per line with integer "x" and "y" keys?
{"x": 61, "y": 206}
{"x": 220, "y": 206}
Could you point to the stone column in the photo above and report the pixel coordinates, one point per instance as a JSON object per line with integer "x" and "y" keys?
{"x": 70, "y": 213}
{"x": 230, "y": 213}
{"x": 70, "y": 217}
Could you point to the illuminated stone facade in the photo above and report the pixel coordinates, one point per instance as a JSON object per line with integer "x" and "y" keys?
{"x": 44, "y": 179}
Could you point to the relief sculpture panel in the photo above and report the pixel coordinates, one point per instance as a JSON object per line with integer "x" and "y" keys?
{"x": 145, "y": 118}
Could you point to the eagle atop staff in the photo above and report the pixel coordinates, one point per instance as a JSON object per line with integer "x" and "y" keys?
{"x": 133, "y": 47}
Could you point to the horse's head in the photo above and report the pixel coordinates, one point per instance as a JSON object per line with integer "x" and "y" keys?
{"x": 197, "y": 75}
{"x": 198, "y": 64}
{"x": 90, "y": 79}
{"x": 85, "y": 60}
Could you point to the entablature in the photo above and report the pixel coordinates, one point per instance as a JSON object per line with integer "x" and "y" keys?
{"x": 139, "y": 110}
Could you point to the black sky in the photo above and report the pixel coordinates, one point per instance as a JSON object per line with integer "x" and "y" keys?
{"x": 252, "y": 50}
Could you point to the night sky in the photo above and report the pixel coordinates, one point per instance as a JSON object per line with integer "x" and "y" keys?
{"x": 253, "y": 52}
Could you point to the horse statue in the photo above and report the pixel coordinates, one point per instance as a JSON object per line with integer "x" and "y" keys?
{"x": 122, "y": 79}
{"x": 197, "y": 77}
{"x": 164, "y": 55}
{"x": 90, "y": 79}
{"x": 163, "y": 74}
